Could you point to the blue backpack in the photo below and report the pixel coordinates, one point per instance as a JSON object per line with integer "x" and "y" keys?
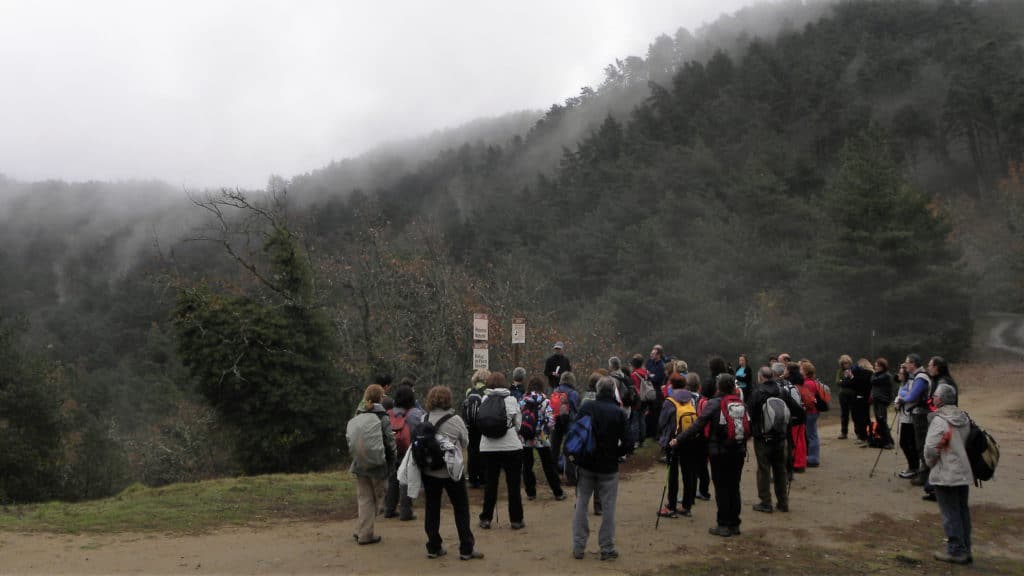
{"x": 580, "y": 441}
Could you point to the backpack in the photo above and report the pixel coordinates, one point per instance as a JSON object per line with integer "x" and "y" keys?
{"x": 647, "y": 392}
{"x": 403, "y": 436}
{"x": 624, "y": 392}
{"x": 560, "y": 404}
{"x": 734, "y": 421}
{"x": 982, "y": 452}
{"x": 685, "y": 415}
{"x": 492, "y": 417}
{"x": 366, "y": 440}
{"x": 471, "y": 406}
{"x": 822, "y": 397}
{"x": 775, "y": 416}
{"x": 580, "y": 441}
{"x": 426, "y": 450}
{"x": 531, "y": 425}
{"x": 795, "y": 402}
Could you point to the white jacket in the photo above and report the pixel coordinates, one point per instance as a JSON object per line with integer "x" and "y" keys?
{"x": 510, "y": 441}
{"x": 409, "y": 475}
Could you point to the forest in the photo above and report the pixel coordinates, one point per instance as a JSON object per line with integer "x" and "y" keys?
{"x": 824, "y": 179}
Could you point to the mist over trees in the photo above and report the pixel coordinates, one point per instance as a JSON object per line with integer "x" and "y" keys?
{"x": 823, "y": 178}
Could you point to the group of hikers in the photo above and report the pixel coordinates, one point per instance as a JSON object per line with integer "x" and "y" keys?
{"x": 582, "y": 433}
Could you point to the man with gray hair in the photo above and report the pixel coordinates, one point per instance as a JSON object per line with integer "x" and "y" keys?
{"x": 599, "y": 470}
{"x": 770, "y": 446}
{"x": 950, "y": 473}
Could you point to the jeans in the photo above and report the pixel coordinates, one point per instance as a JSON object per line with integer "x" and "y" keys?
{"x": 512, "y": 463}
{"x": 456, "y": 490}
{"x": 956, "y": 518}
{"x": 771, "y": 468}
{"x": 638, "y": 425}
{"x": 547, "y": 463}
{"x": 607, "y": 486}
{"x": 726, "y": 471}
{"x": 813, "y": 441}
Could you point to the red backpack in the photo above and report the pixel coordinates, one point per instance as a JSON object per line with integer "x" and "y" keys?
{"x": 560, "y": 404}
{"x": 733, "y": 421}
{"x": 403, "y": 436}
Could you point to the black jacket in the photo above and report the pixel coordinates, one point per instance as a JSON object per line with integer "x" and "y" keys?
{"x": 611, "y": 433}
{"x": 554, "y": 361}
{"x": 711, "y": 415}
{"x": 881, "y": 388}
{"x": 762, "y": 392}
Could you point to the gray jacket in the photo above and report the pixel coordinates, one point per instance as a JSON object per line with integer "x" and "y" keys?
{"x": 380, "y": 472}
{"x": 944, "y": 450}
{"x": 455, "y": 430}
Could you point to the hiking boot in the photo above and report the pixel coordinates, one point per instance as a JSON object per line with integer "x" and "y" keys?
{"x": 799, "y": 470}
{"x": 929, "y": 496}
{"x": 577, "y": 554}
{"x": 762, "y": 507}
{"x": 474, "y": 555}
{"x": 703, "y": 496}
{"x": 609, "y": 555}
{"x": 722, "y": 531}
{"x": 782, "y": 507}
{"x": 667, "y": 513}
{"x": 943, "y": 556}
{"x": 485, "y": 524}
{"x": 408, "y": 518}
{"x": 908, "y": 474}
{"x": 735, "y": 530}
{"x": 517, "y": 525}
{"x": 684, "y": 512}
{"x": 391, "y": 514}
{"x": 438, "y": 553}
{"x": 560, "y": 497}
{"x": 813, "y": 464}
{"x": 918, "y": 480}
{"x": 841, "y": 437}
{"x": 372, "y": 540}
{"x": 531, "y": 497}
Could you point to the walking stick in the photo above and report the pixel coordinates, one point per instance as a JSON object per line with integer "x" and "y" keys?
{"x": 664, "y": 490}
{"x": 895, "y": 416}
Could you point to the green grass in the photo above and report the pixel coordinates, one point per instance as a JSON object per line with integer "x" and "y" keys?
{"x": 194, "y": 507}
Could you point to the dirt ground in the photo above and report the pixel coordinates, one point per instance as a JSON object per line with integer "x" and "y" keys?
{"x": 841, "y": 522}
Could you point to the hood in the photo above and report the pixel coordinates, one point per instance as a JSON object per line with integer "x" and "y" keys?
{"x": 682, "y": 395}
{"x": 503, "y": 392}
{"x": 954, "y": 415}
{"x": 377, "y": 408}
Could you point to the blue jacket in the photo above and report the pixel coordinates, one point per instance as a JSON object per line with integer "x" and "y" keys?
{"x": 915, "y": 398}
{"x": 656, "y": 372}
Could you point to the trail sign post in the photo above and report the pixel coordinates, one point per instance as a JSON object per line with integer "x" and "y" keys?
{"x": 480, "y": 327}
{"x": 481, "y": 356}
{"x": 518, "y": 339}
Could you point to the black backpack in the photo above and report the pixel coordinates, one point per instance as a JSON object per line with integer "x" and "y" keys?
{"x": 426, "y": 451}
{"x": 470, "y": 407}
{"x": 982, "y": 452}
{"x": 492, "y": 418}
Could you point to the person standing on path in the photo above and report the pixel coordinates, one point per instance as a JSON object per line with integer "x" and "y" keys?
{"x": 556, "y": 364}
{"x": 371, "y": 478}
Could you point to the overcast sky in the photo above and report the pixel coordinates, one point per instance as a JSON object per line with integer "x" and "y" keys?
{"x": 218, "y": 93}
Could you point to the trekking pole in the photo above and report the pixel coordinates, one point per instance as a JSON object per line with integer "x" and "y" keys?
{"x": 664, "y": 490}
{"x": 882, "y": 448}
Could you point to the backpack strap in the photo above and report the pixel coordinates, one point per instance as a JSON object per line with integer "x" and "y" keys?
{"x": 437, "y": 427}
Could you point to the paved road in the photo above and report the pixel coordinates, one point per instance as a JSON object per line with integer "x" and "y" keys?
{"x": 1008, "y": 334}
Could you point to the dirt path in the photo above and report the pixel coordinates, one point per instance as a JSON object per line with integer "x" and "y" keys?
{"x": 825, "y": 504}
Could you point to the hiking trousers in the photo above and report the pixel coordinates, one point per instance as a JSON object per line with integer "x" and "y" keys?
{"x": 396, "y": 498}
{"x": 432, "y": 488}
{"x": 881, "y": 410}
{"x": 547, "y": 464}
{"x": 908, "y": 443}
{"x": 846, "y": 396}
{"x": 605, "y": 487}
{"x": 771, "y": 469}
{"x": 798, "y": 432}
{"x": 475, "y": 465}
{"x": 860, "y": 411}
{"x": 684, "y": 462}
{"x": 920, "y": 434}
{"x": 369, "y": 492}
{"x": 511, "y": 462}
{"x": 726, "y": 471}
{"x": 956, "y": 518}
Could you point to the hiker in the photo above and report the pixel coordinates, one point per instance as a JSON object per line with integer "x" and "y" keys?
{"x": 698, "y": 445}
{"x": 798, "y": 430}
{"x": 518, "y": 387}
{"x": 655, "y": 367}
{"x": 370, "y": 466}
{"x": 881, "y": 398}
{"x": 637, "y": 419}
{"x": 727, "y": 449}
{"x": 716, "y": 366}
{"x": 502, "y": 451}
{"x": 537, "y": 424}
{"x": 556, "y": 365}
{"x": 598, "y": 470}
{"x": 908, "y": 440}
{"x": 448, "y": 427}
{"x": 677, "y": 413}
{"x": 624, "y": 393}
{"x": 384, "y": 381}
{"x": 404, "y": 418}
{"x": 844, "y": 383}
{"x": 938, "y": 370}
{"x": 565, "y": 401}
{"x": 810, "y": 391}
{"x": 770, "y": 441}
{"x": 860, "y": 404}
{"x": 951, "y": 475}
{"x": 470, "y": 406}
{"x": 916, "y": 403}
{"x": 744, "y": 376}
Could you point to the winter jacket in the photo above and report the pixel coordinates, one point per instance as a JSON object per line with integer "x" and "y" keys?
{"x": 611, "y": 433}
{"x": 861, "y": 382}
{"x": 379, "y": 472}
{"x": 545, "y": 420}
{"x": 916, "y": 398}
{"x": 510, "y": 441}
{"x": 944, "y": 450}
{"x": 454, "y": 429}
{"x": 655, "y": 371}
{"x": 554, "y": 367}
{"x": 881, "y": 388}
{"x": 808, "y": 393}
